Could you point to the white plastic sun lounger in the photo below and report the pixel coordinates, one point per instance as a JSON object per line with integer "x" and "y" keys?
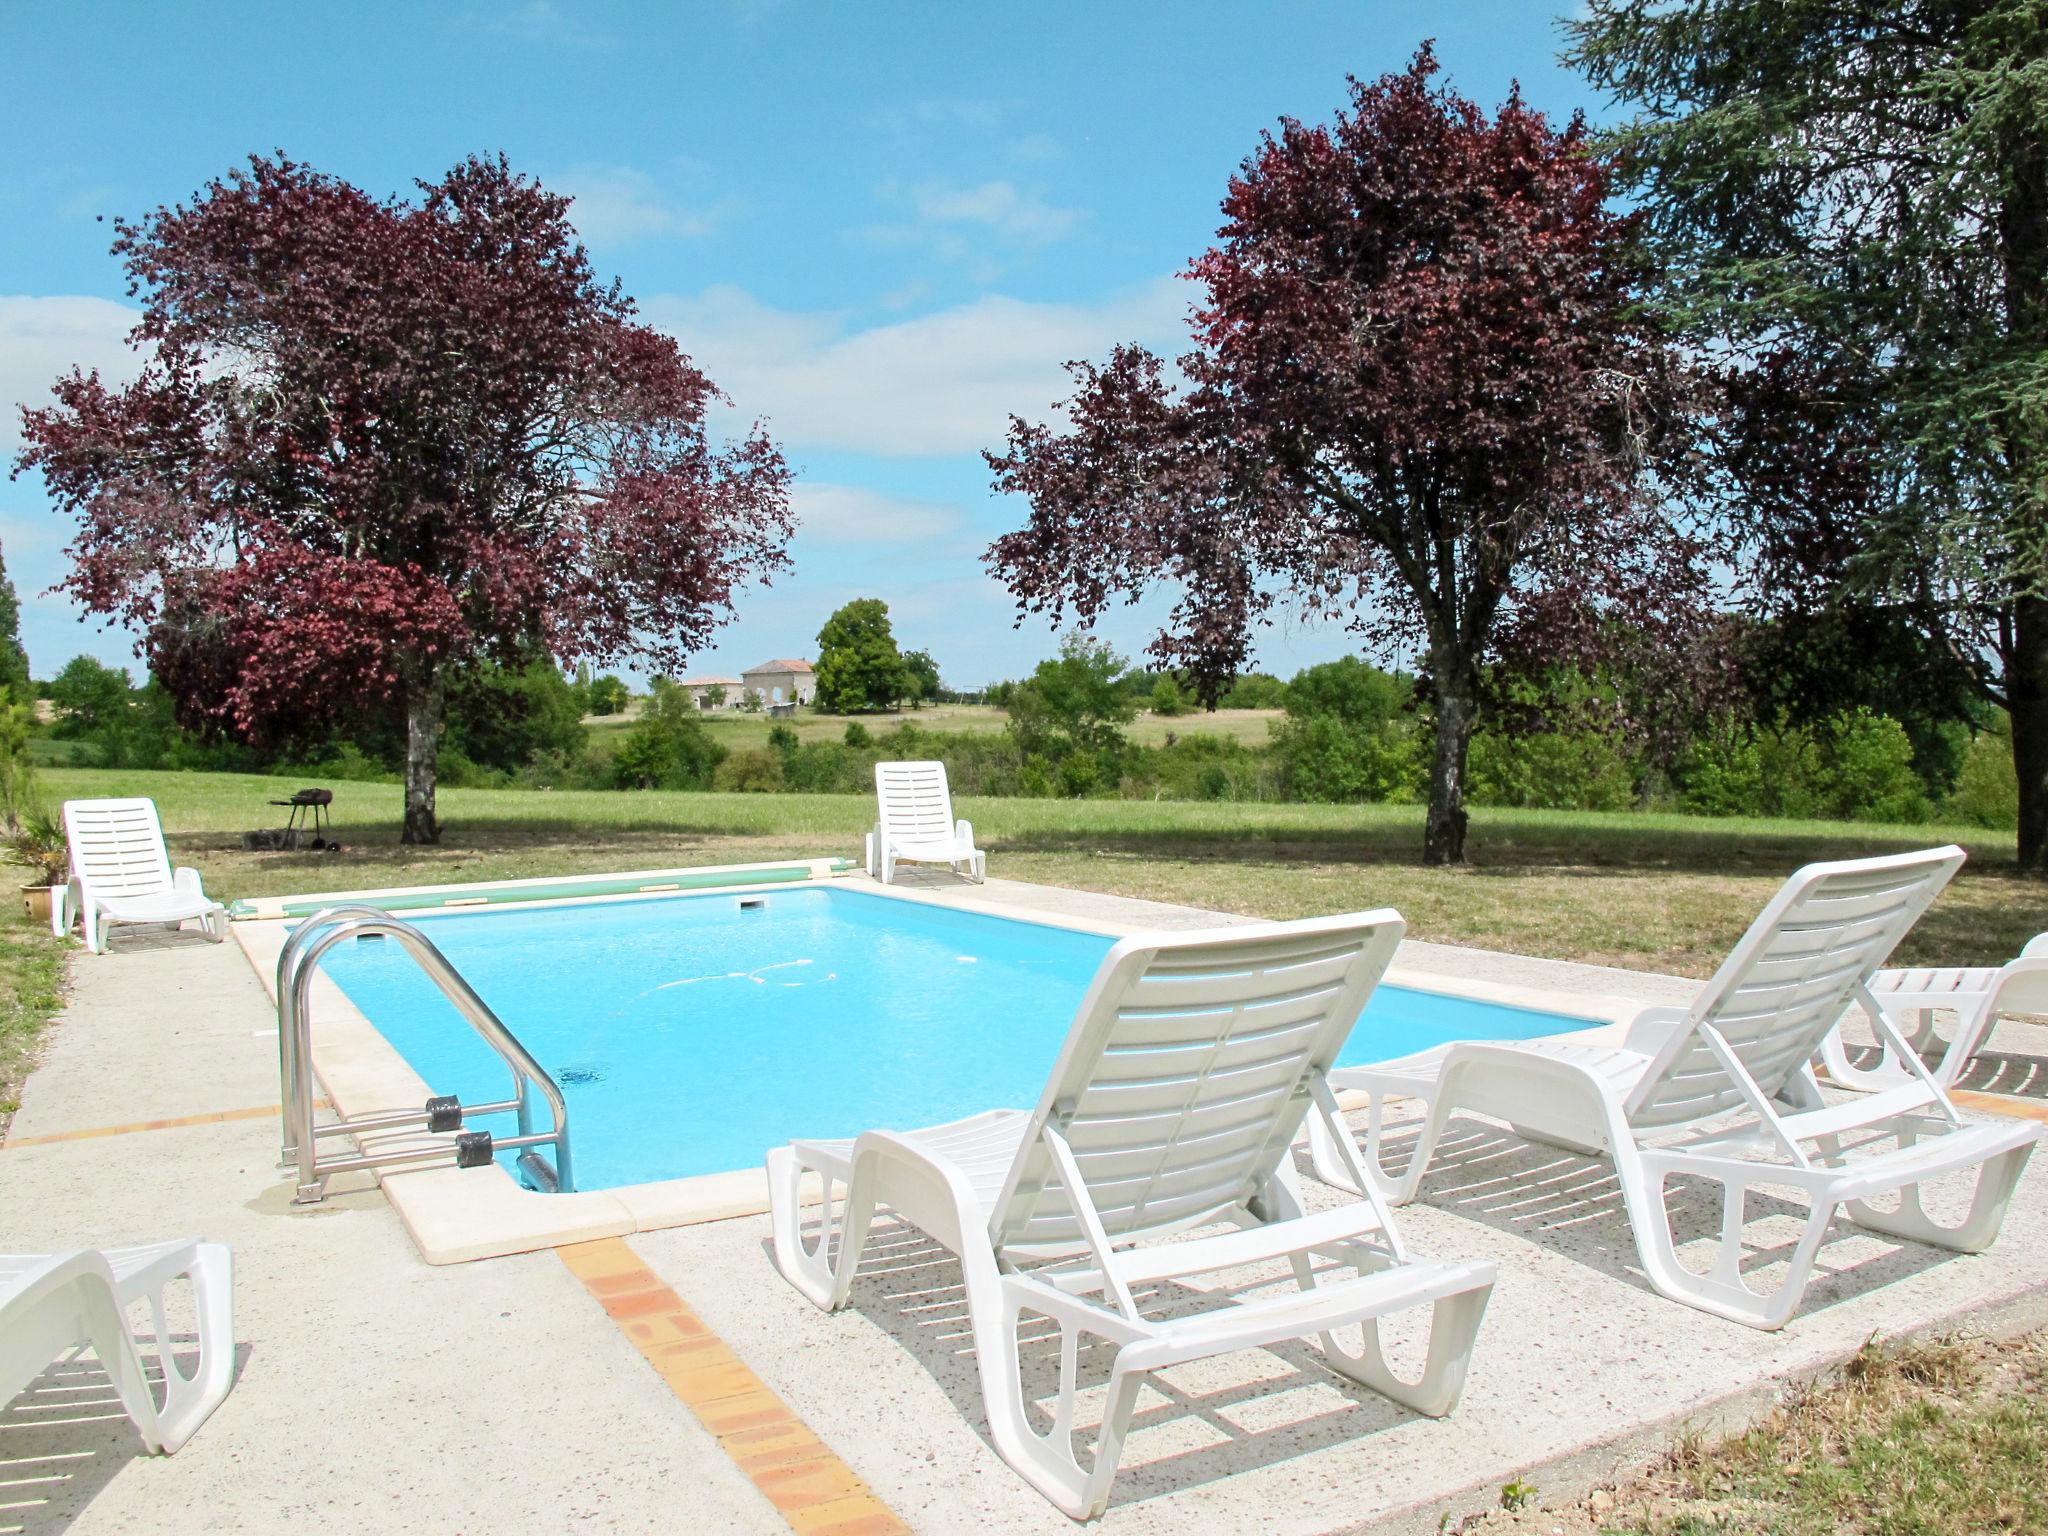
{"x": 121, "y": 873}
{"x": 53, "y": 1302}
{"x": 1189, "y": 1068}
{"x": 1977, "y": 995}
{"x": 1724, "y": 1092}
{"x": 916, "y": 823}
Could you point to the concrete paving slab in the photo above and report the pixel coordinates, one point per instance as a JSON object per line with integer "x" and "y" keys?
{"x": 203, "y": 1034}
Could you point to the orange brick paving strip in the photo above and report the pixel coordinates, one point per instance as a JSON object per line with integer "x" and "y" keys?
{"x": 2000, "y": 1104}
{"x": 816, "y": 1492}
{"x": 218, "y": 1117}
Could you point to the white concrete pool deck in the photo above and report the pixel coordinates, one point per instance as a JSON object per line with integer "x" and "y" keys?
{"x": 379, "y": 1393}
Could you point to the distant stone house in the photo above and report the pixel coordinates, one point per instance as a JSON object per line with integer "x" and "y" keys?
{"x": 782, "y": 681}
{"x": 698, "y": 687}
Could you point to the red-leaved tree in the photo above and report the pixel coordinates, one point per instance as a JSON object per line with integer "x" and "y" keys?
{"x": 1423, "y": 403}
{"x": 375, "y": 441}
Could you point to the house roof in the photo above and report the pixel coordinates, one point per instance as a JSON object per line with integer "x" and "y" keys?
{"x": 707, "y": 682}
{"x": 782, "y": 664}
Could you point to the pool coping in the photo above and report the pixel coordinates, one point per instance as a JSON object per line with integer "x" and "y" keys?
{"x": 461, "y": 1215}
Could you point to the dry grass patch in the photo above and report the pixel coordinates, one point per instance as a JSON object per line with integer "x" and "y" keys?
{"x": 1940, "y": 1436}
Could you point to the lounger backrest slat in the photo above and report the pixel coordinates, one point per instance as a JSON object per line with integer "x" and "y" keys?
{"x": 1789, "y": 981}
{"x": 1188, "y": 1072}
{"x": 915, "y": 805}
{"x": 117, "y": 846}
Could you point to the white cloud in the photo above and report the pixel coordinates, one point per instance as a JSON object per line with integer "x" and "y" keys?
{"x": 42, "y": 338}
{"x": 1035, "y": 149}
{"x": 980, "y": 227}
{"x": 545, "y": 23}
{"x": 849, "y": 514}
{"x": 616, "y": 204}
{"x": 997, "y": 206}
{"x": 937, "y": 384}
{"x": 950, "y": 112}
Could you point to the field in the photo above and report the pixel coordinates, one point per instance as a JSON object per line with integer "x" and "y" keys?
{"x": 734, "y": 729}
{"x": 1660, "y": 892}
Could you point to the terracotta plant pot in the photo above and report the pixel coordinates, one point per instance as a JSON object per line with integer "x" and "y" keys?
{"x": 37, "y": 899}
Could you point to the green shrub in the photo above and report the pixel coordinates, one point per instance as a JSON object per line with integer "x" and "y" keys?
{"x": 344, "y": 761}
{"x": 453, "y": 770}
{"x": 607, "y": 695}
{"x": 1582, "y": 770}
{"x": 1255, "y": 690}
{"x": 561, "y": 770}
{"x": 1722, "y": 771}
{"x": 1987, "y": 792}
{"x": 858, "y": 735}
{"x": 668, "y": 748}
{"x": 1168, "y": 698}
{"x": 1868, "y": 770}
{"x": 1858, "y": 766}
{"x": 751, "y": 770}
{"x": 1199, "y": 766}
{"x": 827, "y": 768}
{"x": 1327, "y": 759}
{"x": 1351, "y": 691}
{"x": 503, "y": 717}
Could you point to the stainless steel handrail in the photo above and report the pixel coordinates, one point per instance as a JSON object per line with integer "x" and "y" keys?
{"x": 298, "y": 964}
{"x": 287, "y": 1036}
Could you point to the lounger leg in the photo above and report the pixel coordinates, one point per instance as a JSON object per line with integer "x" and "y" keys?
{"x": 822, "y": 1271}
{"x": 95, "y": 932}
{"x": 1329, "y": 1165}
{"x": 1047, "y": 1461}
{"x": 1453, "y": 1330}
{"x": 1996, "y": 1180}
{"x": 188, "y": 1399}
{"x": 1722, "y": 1290}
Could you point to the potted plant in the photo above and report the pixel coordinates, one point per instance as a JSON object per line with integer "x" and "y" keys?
{"x": 38, "y": 844}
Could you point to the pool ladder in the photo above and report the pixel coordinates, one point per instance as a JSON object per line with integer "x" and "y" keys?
{"x": 439, "y": 1117}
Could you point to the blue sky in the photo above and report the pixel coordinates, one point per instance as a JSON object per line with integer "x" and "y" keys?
{"x": 881, "y": 227}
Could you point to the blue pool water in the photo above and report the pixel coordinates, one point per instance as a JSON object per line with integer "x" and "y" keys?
{"x": 689, "y": 1036}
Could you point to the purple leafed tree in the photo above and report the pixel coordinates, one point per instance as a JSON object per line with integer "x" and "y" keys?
{"x": 1423, "y": 402}
{"x": 377, "y": 441}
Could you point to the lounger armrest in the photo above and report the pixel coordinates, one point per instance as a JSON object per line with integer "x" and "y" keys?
{"x": 2021, "y": 986}
{"x": 963, "y": 829}
{"x": 185, "y": 880}
{"x": 1650, "y": 1030}
{"x": 929, "y": 1190}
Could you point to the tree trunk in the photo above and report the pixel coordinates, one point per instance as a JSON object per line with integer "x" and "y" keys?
{"x": 2026, "y": 692}
{"x": 2023, "y": 229}
{"x": 1457, "y": 710}
{"x": 425, "y": 703}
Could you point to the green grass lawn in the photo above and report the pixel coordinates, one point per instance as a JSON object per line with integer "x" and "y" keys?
{"x": 31, "y": 974}
{"x": 1661, "y": 892}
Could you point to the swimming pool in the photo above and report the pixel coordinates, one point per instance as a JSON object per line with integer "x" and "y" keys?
{"x": 690, "y": 1034}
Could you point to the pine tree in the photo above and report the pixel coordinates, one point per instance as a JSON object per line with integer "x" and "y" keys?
{"x": 1850, "y": 203}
